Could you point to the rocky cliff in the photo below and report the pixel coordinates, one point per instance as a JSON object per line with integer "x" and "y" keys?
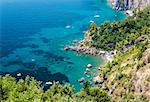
{"x": 130, "y": 4}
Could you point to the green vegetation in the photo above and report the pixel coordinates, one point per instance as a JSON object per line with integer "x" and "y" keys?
{"x": 129, "y": 73}
{"x": 30, "y": 90}
{"x": 127, "y": 77}
{"x": 111, "y": 36}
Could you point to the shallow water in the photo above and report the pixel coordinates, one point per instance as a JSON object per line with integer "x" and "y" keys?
{"x": 33, "y": 35}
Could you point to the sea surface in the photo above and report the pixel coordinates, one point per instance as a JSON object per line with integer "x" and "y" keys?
{"x": 33, "y": 34}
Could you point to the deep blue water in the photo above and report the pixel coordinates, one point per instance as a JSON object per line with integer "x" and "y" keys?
{"x": 33, "y": 34}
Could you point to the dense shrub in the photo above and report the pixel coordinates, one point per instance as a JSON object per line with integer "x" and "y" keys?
{"x": 30, "y": 90}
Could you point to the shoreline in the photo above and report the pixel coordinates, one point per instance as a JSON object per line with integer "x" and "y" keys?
{"x": 76, "y": 47}
{"x": 105, "y": 55}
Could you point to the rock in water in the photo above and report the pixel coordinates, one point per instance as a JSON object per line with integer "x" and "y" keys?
{"x": 88, "y": 76}
{"x": 89, "y": 66}
{"x": 81, "y": 80}
{"x": 66, "y": 48}
{"x": 85, "y": 72}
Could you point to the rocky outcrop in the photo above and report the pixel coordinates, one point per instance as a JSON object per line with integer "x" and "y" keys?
{"x": 130, "y": 4}
{"x": 108, "y": 56}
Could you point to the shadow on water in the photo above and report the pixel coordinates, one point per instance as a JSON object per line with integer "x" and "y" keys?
{"x": 45, "y": 40}
{"x": 48, "y": 54}
{"x": 8, "y": 46}
{"x": 40, "y": 74}
{"x": 33, "y": 46}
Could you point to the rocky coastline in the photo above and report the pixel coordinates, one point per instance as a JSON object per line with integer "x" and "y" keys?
{"x": 105, "y": 55}
{"x": 129, "y": 5}
{"x": 114, "y": 5}
{"x": 77, "y": 47}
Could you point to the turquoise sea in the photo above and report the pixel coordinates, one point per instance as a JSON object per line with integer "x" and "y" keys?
{"x": 33, "y": 34}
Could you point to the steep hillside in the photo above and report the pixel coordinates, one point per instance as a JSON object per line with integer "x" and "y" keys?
{"x": 119, "y": 35}
{"x": 127, "y": 77}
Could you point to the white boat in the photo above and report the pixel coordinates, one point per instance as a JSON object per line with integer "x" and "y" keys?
{"x": 19, "y": 74}
{"x": 91, "y": 21}
{"x": 68, "y": 26}
{"x": 97, "y": 16}
{"x": 48, "y": 83}
{"x": 32, "y": 60}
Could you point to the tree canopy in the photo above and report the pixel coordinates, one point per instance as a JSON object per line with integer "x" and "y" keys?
{"x": 30, "y": 90}
{"x": 109, "y": 36}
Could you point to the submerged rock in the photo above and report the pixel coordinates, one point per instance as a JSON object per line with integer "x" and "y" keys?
{"x": 88, "y": 76}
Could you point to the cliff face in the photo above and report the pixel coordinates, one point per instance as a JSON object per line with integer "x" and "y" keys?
{"x": 130, "y": 4}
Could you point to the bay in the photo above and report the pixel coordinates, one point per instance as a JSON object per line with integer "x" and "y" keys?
{"x": 34, "y": 32}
